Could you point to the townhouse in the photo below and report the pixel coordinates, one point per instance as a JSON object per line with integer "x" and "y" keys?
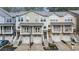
{"x": 32, "y": 26}
{"x": 62, "y": 26}
{"x": 37, "y": 26}
{"x": 6, "y": 25}
{"x": 77, "y": 18}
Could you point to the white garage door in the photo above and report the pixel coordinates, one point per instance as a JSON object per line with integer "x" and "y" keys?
{"x": 37, "y": 39}
{"x": 26, "y": 39}
{"x": 56, "y": 38}
{"x": 66, "y": 37}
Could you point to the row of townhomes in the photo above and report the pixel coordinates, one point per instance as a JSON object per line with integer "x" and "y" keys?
{"x": 38, "y": 26}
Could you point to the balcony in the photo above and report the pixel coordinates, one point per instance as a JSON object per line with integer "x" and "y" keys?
{"x": 7, "y": 32}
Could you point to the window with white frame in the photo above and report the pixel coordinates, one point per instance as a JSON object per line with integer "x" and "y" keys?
{"x": 18, "y": 19}
{"x": 9, "y": 20}
{"x": 68, "y": 28}
{"x": 36, "y": 29}
{"x": 68, "y": 20}
{"x": 43, "y": 20}
{"x": 22, "y": 19}
{"x": 57, "y": 28}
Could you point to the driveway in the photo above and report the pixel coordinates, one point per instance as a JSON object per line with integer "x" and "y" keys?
{"x": 37, "y": 47}
{"x": 23, "y": 47}
{"x": 62, "y": 47}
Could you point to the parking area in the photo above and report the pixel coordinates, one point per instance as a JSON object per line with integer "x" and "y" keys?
{"x": 61, "y": 46}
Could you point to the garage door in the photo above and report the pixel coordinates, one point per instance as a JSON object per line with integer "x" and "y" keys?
{"x": 66, "y": 37}
{"x": 37, "y": 39}
{"x": 56, "y": 38}
{"x": 25, "y": 39}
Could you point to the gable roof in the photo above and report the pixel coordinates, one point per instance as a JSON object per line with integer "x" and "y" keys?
{"x": 62, "y": 14}
{"x": 42, "y": 13}
{"x": 76, "y": 12}
{"x": 4, "y": 13}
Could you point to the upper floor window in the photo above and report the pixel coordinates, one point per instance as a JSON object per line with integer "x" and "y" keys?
{"x": 44, "y": 27}
{"x": 43, "y": 20}
{"x": 9, "y": 20}
{"x": 27, "y": 20}
{"x": 21, "y": 18}
{"x": 18, "y": 27}
{"x": 68, "y": 19}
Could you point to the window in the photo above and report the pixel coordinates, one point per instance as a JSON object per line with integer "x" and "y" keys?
{"x": 27, "y": 29}
{"x": 38, "y": 29}
{"x": 41, "y": 20}
{"x": 57, "y": 28}
{"x": 27, "y": 20}
{"x": 44, "y": 27}
{"x": 44, "y": 20}
{"x": 21, "y": 18}
{"x": 9, "y": 20}
{"x": 18, "y": 27}
{"x": 68, "y": 28}
{"x": 68, "y": 19}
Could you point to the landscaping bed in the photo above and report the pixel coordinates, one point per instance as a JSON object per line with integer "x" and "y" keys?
{"x": 51, "y": 46}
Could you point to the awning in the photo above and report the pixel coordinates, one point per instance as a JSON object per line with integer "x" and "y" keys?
{"x": 6, "y": 24}
{"x": 31, "y": 24}
{"x": 61, "y": 23}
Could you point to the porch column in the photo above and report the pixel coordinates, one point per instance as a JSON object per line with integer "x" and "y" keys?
{"x": 72, "y": 29}
{"x": 2, "y": 29}
{"x": 62, "y": 26}
{"x": 11, "y": 30}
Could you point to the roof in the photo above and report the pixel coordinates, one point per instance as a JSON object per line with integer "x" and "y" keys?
{"x": 42, "y": 13}
{"x": 4, "y": 13}
{"x": 75, "y": 11}
{"x": 61, "y": 14}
